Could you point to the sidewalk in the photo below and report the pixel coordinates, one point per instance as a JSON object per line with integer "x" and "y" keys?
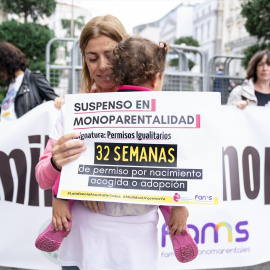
{"x": 263, "y": 266}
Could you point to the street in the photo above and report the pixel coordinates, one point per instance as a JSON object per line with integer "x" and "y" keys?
{"x": 264, "y": 266}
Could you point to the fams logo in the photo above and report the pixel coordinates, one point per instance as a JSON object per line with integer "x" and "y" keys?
{"x": 203, "y": 198}
{"x": 239, "y": 233}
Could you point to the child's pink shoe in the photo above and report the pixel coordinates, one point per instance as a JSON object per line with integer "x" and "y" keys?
{"x": 50, "y": 239}
{"x": 185, "y": 248}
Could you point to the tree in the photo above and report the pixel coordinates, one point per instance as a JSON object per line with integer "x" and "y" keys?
{"x": 189, "y": 41}
{"x": 33, "y": 8}
{"x": 66, "y": 24}
{"x": 257, "y": 24}
{"x": 251, "y": 50}
{"x": 31, "y": 39}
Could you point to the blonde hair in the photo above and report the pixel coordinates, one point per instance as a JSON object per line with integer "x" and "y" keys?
{"x": 137, "y": 60}
{"x": 108, "y": 26}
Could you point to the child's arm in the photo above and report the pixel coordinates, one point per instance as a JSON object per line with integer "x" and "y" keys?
{"x": 61, "y": 214}
{"x": 178, "y": 219}
{"x": 46, "y": 173}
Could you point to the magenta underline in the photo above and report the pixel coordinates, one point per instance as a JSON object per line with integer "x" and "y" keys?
{"x": 138, "y": 139}
{"x": 131, "y": 127}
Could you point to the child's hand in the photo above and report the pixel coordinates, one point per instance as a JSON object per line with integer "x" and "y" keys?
{"x": 61, "y": 214}
{"x": 178, "y": 219}
{"x": 95, "y": 207}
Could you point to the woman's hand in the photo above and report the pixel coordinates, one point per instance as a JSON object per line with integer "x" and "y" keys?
{"x": 61, "y": 214}
{"x": 66, "y": 150}
{"x": 242, "y": 104}
{"x": 58, "y": 102}
{"x": 94, "y": 206}
{"x": 178, "y": 219}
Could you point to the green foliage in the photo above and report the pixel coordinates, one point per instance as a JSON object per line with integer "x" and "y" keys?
{"x": 257, "y": 24}
{"x": 191, "y": 64}
{"x": 33, "y": 8}
{"x": 189, "y": 41}
{"x": 257, "y": 17}
{"x": 31, "y": 39}
{"x": 175, "y": 61}
{"x": 250, "y": 51}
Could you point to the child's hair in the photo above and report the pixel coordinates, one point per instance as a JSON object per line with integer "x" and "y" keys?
{"x": 137, "y": 60}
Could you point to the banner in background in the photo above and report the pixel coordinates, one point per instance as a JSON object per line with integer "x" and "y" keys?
{"x": 234, "y": 233}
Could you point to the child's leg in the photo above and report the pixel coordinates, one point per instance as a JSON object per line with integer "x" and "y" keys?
{"x": 185, "y": 248}
{"x": 51, "y": 238}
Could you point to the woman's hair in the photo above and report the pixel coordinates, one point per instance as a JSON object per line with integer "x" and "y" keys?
{"x": 253, "y": 63}
{"x": 11, "y": 60}
{"x": 108, "y": 26}
{"x": 137, "y": 60}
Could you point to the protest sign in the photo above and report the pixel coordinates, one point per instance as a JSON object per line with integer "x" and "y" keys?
{"x": 144, "y": 148}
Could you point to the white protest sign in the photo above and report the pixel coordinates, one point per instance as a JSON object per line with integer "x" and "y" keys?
{"x": 145, "y": 148}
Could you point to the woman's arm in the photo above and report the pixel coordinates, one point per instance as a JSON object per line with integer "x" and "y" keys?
{"x": 44, "y": 88}
{"x": 235, "y": 95}
{"x": 46, "y": 91}
{"x": 56, "y": 154}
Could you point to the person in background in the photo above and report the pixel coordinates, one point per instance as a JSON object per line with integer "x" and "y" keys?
{"x": 111, "y": 235}
{"x": 218, "y": 82}
{"x": 256, "y": 89}
{"x": 25, "y": 89}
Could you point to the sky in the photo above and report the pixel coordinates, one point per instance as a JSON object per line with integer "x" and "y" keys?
{"x": 130, "y": 12}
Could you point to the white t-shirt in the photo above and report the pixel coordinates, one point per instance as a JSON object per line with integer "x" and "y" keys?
{"x": 8, "y": 104}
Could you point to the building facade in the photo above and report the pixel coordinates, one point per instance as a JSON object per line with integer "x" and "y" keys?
{"x": 175, "y": 24}
{"x": 235, "y": 38}
{"x": 148, "y": 30}
{"x": 208, "y": 26}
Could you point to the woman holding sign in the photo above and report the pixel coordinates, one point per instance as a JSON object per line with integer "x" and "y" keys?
{"x": 118, "y": 236}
